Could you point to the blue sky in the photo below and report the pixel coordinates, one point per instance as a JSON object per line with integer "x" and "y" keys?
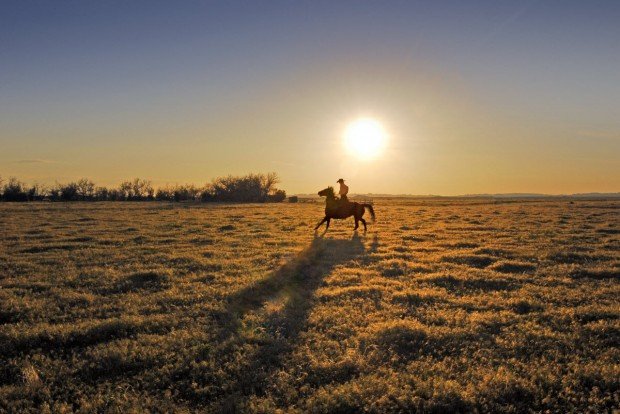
{"x": 496, "y": 96}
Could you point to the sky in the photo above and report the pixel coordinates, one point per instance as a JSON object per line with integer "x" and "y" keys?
{"x": 474, "y": 97}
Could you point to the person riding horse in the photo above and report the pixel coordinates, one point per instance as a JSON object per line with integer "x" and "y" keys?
{"x": 344, "y": 189}
{"x": 342, "y": 208}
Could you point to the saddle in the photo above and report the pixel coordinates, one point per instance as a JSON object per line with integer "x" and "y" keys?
{"x": 338, "y": 204}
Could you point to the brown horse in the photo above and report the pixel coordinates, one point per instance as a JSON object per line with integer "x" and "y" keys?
{"x": 341, "y": 209}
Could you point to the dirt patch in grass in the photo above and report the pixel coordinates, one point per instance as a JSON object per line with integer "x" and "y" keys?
{"x": 508, "y": 266}
{"x": 148, "y": 280}
{"x": 51, "y": 247}
{"x": 599, "y": 274}
{"x": 570, "y": 257}
{"x": 462, "y": 285}
{"x": 477, "y": 261}
{"x": 404, "y": 338}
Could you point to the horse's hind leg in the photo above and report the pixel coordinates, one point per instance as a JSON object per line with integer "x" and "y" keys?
{"x": 357, "y": 224}
{"x": 363, "y": 222}
{"x": 321, "y": 222}
{"x": 328, "y": 220}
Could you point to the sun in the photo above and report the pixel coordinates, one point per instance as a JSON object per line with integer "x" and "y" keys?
{"x": 365, "y": 138}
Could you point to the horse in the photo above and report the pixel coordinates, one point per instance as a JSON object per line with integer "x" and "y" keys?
{"x": 341, "y": 209}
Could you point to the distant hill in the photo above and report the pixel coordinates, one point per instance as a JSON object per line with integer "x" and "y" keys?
{"x": 484, "y": 195}
{"x": 538, "y": 195}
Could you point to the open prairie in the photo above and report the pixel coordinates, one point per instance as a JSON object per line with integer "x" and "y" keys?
{"x": 442, "y": 306}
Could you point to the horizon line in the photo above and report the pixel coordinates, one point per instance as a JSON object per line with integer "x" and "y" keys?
{"x": 614, "y": 194}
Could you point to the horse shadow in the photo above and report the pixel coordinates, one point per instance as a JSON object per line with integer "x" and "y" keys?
{"x": 294, "y": 285}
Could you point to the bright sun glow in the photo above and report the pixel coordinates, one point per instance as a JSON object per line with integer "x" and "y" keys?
{"x": 365, "y": 138}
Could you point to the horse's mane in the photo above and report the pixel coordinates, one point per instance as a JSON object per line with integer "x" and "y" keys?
{"x": 330, "y": 190}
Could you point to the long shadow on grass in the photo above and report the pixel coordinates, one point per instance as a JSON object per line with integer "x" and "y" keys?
{"x": 246, "y": 353}
{"x": 294, "y": 282}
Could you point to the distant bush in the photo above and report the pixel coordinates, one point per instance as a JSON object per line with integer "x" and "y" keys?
{"x": 14, "y": 190}
{"x": 249, "y": 188}
{"x": 137, "y": 190}
{"x": 164, "y": 194}
{"x": 83, "y": 190}
{"x": 277, "y": 196}
{"x": 101, "y": 193}
{"x": 36, "y": 192}
{"x": 293, "y": 199}
{"x": 69, "y": 192}
{"x": 179, "y": 193}
{"x": 255, "y": 188}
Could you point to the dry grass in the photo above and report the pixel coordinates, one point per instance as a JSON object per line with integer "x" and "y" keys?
{"x": 443, "y": 306}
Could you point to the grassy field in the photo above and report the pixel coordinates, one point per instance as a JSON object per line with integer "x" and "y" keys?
{"x": 443, "y": 306}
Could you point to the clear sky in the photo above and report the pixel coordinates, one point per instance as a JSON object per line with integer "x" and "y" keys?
{"x": 475, "y": 96}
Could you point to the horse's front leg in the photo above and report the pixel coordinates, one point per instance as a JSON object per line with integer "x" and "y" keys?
{"x": 328, "y": 220}
{"x": 321, "y": 222}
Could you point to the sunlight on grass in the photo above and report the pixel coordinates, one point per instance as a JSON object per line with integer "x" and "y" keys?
{"x": 447, "y": 306}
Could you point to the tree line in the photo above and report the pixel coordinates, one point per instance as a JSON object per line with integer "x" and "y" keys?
{"x": 255, "y": 188}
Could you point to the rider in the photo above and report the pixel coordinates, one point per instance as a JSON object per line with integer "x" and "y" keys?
{"x": 344, "y": 189}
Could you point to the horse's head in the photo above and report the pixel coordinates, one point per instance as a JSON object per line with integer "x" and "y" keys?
{"x": 328, "y": 192}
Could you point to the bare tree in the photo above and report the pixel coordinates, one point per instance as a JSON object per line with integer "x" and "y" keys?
{"x": 126, "y": 190}
{"x": 85, "y": 189}
{"x": 270, "y": 180}
{"x": 142, "y": 189}
{"x": 36, "y": 192}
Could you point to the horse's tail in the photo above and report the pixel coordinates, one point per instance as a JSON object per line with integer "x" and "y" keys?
{"x": 372, "y": 211}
